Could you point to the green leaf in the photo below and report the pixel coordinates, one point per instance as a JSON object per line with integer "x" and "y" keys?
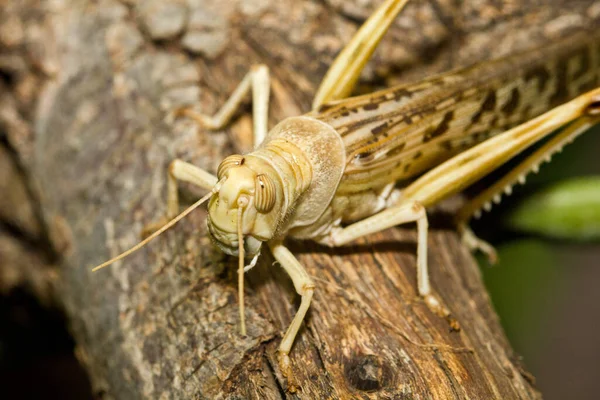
{"x": 568, "y": 210}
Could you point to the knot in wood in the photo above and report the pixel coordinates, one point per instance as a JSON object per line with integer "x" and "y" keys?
{"x": 366, "y": 373}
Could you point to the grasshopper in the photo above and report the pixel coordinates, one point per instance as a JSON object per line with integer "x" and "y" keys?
{"x": 357, "y": 165}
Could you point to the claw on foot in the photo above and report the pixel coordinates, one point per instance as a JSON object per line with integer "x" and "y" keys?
{"x": 437, "y": 308}
{"x": 285, "y": 366}
{"x": 475, "y": 244}
{"x": 434, "y": 305}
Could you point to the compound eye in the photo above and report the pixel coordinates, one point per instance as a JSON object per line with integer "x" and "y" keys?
{"x": 264, "y": 196}
{"x": 232, "y": 161}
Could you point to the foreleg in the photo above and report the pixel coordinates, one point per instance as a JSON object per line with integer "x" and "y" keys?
{"x": 304, "y": 287}
{"x": 180, "y": 171}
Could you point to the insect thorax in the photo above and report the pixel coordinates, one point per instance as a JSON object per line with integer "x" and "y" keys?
{"x": 291, "y": 177}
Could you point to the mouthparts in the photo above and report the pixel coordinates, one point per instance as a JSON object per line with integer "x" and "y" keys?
{"x": 228, "y": 243}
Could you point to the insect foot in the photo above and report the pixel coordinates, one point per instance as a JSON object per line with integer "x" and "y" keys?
{"x": 436, "y": 306}
{"x": 285, "y": 366}
{"x": 438, "y": 309}
{"x": 474, "y": 244}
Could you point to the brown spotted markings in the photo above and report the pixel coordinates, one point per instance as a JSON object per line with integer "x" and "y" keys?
{"x": 432, "y": 120}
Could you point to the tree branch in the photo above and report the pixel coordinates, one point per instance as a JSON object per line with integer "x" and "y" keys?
{"x": 164, "y": 322}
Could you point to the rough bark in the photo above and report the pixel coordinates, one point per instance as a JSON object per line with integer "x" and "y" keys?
{"x": 27, "y": 256}
{"x": 163, "y": 323}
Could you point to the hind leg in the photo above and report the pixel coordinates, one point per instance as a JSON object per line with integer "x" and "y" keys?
{"x": 345, "y": 70}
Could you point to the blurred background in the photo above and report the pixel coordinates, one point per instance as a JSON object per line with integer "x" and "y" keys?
{"x": 544, "y": 288}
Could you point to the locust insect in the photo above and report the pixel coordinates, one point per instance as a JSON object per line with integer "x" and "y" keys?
{"x": 357, "y": 165}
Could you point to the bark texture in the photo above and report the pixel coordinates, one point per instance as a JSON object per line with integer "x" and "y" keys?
{"x": 164, "y": 322}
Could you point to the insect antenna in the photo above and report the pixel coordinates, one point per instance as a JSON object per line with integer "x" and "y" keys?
{"x": 241, "y": 204}
{"x": 155, "y": 234}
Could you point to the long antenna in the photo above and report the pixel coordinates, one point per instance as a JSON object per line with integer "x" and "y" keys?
{"x": 155, "y": 234}
{"x": 241, "y": 268}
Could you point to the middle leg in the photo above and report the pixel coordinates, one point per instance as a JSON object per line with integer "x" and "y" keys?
{"x": 304, "y": 287}
{"x": 400, "y": 214}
